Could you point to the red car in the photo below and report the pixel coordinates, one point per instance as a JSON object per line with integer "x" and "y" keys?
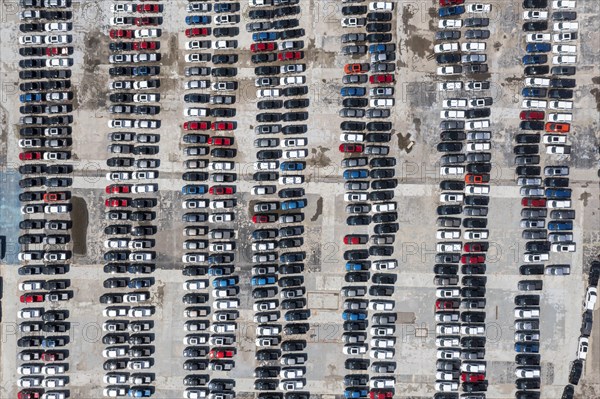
{"x": 476, "y": 247}
{"x": 120, "y": 34}
{"x": 220, "y": 140}
{"x": 145, "y": 45}
{"x": 148, "y": 8}
{"x": 536, "y": 202}
{"x": 444, "y": 3}
{"x": 355, "y": 239}
{"x": 442, "y": 304}
{"x": 265, "y": 46}
{"x": 351, "y": 148}
{"x": 471, "y": 178}
{"x": 532, "y": 115}
{"x": 222, "y": 126}
{"x": 472, "y": 259}
{"x": 31, "y": 155}
{"x": 114, "y": 202}
{"x": 386, "y": 78}
{"x": 51, "y": 51}
{"x": 381, "y": 394}
{"x": 557, "y": 127}
{"x": 263, "y": 218}
{"x": 356, "y": 68}
{"x": 221, "y": 190}
{"x": 28, "y": 395}
{"x": 196, "y": 125}
{"x": 215, "y": 354}
{"x": 31, "y": 298}
{"x": 192, "y": 32}
{"x": 117, "y": 188}
{"x": 145, "y": 21}
{"x": 53, "y": 197}
{"x": 290, "y": 55}
{"x": 52, "y": 356}
{"x": 468, "y": 377}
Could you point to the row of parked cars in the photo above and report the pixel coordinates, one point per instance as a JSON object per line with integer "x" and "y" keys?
{"x": 465, "y": 166}
{"x": 210, "y": 239}
{"x": 45, "y": 142}
{"x": 278, "y": 214}
{"x": 131, "y": 198}
{"x": 544, "y": 183}
{"x": 369, "y": 180}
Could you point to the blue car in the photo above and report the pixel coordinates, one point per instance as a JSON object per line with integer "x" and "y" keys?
{"x": 353, "y": 316}
{"x": 263, "y": 280}
{"x": 265, "y": 36}
{"x": 450, "y": 11}
{"x": 356, "y": 266}
{"x": 140, "y": 71}
{"x": 377, "y": 48}
{"x": 535, "y": 59}
{"x": 526, "y": 347}
{"x": 555, "y": 225}
{"x": 293, "y": 204}
{"x": 538, "y": 47}
{"x": 29, "y": 97}
{"x": 192, "y": 189}
{"x": 197, "y": 20}
{"x": 355, "y": 393}
{"x": 224, "y": 282}
{"x": 534, "y": 92}
{"x": 558, "y": 193}
{"x": 291, "y": 166}
{"x": 355, "y": 174}
{"x": 226, "y": 7}
{"x": 353, "y": 91}
{"x": 48, "y": 343}
{"x": 139, "y": 393}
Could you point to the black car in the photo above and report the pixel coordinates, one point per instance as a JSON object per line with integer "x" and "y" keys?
{"x": 531, "y": 269}
{"x": 448, "y": 35}
{"x": 476, "y": 22}
{"x": 528, "y": 383}
{"x": 356, "y": 364}
{"x": 533, "y": 70}
{"x": 445, "y": 270}
{"x": 535, "y": 26}
{"x": 265, "y": 385}
{"x": 563, "y": 94}
{"x": 576, "y": 372}
{"x": 473, "y": 342}
{"x": 560, "y": 182}
{"x": 451, "y": 58}
{"x": 563, "y": 83}
{"x": 563, "y": 71}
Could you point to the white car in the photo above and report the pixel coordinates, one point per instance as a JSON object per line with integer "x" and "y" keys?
{"x": 119, "y": 58}
{"x": 115, "y": 378}
{"x": 447, "y": 329}
{"x": 582, "y": 348}
{"x": 381, "y": 305}
{"x": 538, "y": 37}
{"x": 453, "y": 85}
{"x": 291, "y": 179}
{"x": 382, "y": 383}
{"x": 527, "y": 313}
{"x": 381, "y": 102}
{"x": 447, "y": 342}
{"x": 473, "y": 147}
{"x": 535, "y": 258}
{"x": 535, "y": 15}
{"x": 54, "y": 382}
{"x": 447, "y": 234}
{"x": 53, "y": 369}
{"x": 445, "y": 48}
{"x": 294, "y": 142}
{"x": 449, "y": 247}
{"x": 57, "y": 27}
{"x": 383, "y": 342}
{"x": 262, "y": 93}
{"x": 193, "y": 111}
{"x": 355, "y": 197}
{"x": 352, "y": 137}
{"x": 565, "y": 26}
{"x": 383, "y": 354}
{"x": 591, "y": 297}
{"x": 451, "y": 197}
{"x": 30, "y": 285}
{"x": 472, "y": 330}
{"x": 223, "y": 165}
{"x": 477, "y": 189}
{"x": 136, "y": 297}
{"x": 266, "y": 165}
{"x": 59, "y": 62}
{"x": 473, "y": 46}
{"x": 527, "y": 372}
{"x": 449, "y": 70}
{"x": 381, "y": 6}
{"x": 31, "y": 39}
{"x": 452, "y": 114}
{"x": 29, "y": 382}
{"x": 293, "y": 80}
{"x": 115, "y": 351}
{"x": 560, "y": 105}
{"x": 448, "y": 354}
{"x": 560, "y": 117}
{"x": 384, "y": 265}
{"x": 540, "y": 82}
{"x": 564, "y": 4}
{"x": 447, "y": 293}
{"x": 291, "y": 372}
{"x": 449, "y": 23}
{"x": 224, "y": 44}
{"x": 565, "y": 247}
{"x": 195, "y": 393}
{"x": 295, "y": 154}
{"x": 146, "y": 33}
{"x": 554, "y": 204}
{"x": 57, "y": 39}
{"x": 226, "y": 304}
{"x": 554, "y": 139}
{"x": 115, "y": 312}
{"x": 564, "y": 36}
{"x": 479, "y": 8}
{"x": 558, "y": 149}
{"x": 477, "y": 124}
{"x": 452, "y": 170}
{"x": 565, "y": 49}
{"x": 29, "y": 369}
{"x": 113, "y": 392}
{"x": 58, "y": 208}
{"x": 472, "y": 367}
{"x": 455, "y": 103}
{"x": 144, "y": 188}
{"x": 534, "y": 104}
{"x": 140, "y": 311}
{"x": 564, "y": 59}
{"x": 476, "y": 234}
{"x": 291, "y": 385}
{"x": 383, "y": 331}
{"x": 353, "y": 22}
{"x": 138, "y": 364}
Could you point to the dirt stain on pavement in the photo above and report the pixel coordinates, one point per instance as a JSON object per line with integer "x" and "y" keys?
{"x": 419, "y": 45}
{"x": 318, "y": 211}
{"x": 596, "y": 94}
{"x": 319, "y": 158}
{"x": 405, "y": 143}
{"x": 585, "y": 197}
{"x": 80, "y": 218}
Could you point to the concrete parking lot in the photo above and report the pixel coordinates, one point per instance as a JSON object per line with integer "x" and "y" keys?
{"x": 415, "y": 121}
